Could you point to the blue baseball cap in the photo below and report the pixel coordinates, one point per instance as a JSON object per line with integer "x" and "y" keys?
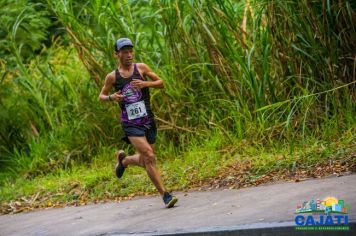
{"x": 122, "y": 42}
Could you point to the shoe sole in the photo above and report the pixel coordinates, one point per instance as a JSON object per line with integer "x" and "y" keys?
{"x": 172, "y": 202}
{"x": 119, "y": 175}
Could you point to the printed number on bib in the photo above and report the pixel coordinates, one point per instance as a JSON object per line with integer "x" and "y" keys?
{"x": 136, "y": 110}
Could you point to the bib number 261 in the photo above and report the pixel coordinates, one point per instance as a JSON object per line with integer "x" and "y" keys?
{"x": 136, "y": 110}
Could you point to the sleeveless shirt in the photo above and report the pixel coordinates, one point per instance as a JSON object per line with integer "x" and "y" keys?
{"x": 131, "y": 96}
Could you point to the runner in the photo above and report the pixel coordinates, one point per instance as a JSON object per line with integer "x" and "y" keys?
{"x": 132, "y": 92}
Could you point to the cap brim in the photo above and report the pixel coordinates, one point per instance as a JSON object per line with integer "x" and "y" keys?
{"x": 126, "y": 45}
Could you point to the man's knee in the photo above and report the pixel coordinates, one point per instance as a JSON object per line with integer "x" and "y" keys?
{"x": 148, "y": 156}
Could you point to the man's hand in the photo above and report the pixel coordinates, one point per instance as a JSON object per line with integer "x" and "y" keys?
{"x": 138, "y": 84}
{"x": 117, "y": 97}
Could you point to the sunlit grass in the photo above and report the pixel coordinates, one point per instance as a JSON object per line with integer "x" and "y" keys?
{"x": 96, "y": 180}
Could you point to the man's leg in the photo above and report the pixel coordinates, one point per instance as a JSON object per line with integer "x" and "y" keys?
{"x": 147, "y": 158}
{"x": 131, "y": 160}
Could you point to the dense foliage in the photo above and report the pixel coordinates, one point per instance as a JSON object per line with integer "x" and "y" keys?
{"x": 257, "y": 70}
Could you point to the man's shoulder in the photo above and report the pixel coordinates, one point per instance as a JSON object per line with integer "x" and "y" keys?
{"x": 111, "y": 76}
{"x": 143, "y": 68}
{"x": 141, "y": 65}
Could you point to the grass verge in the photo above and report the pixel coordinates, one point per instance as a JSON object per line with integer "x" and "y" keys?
{"x": 209, "y": 164}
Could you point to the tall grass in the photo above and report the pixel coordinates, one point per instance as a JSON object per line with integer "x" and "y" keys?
{"x": 52, "y": 115}
{"x": 223, "y": 61}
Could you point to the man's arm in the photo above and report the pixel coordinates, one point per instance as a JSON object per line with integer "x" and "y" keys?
{"x": 104, "y": 94}
{"x": 155, "y": 82}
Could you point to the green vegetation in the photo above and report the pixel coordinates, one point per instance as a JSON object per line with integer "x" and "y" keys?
{"x": 266, "y": 84}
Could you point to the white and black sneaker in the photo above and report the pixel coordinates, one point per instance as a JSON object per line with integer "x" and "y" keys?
{"x": 169, "y": 200}
{"x": 119, "y": 168}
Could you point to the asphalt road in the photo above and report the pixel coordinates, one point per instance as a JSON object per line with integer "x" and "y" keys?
{"x": 255, "y": 207}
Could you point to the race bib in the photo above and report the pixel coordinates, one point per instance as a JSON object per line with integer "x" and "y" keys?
{"x": 136, "y": 110}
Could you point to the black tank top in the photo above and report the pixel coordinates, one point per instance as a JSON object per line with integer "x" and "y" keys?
{"x": 133, "y": 97}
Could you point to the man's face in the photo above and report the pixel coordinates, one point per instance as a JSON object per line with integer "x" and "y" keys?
{"x": 125, "y": 55}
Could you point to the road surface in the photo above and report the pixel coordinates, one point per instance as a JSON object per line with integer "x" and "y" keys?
{"x": 270, "y": 205}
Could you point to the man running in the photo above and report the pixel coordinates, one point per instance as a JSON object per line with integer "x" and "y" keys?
{"x": 132, "y": 93}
